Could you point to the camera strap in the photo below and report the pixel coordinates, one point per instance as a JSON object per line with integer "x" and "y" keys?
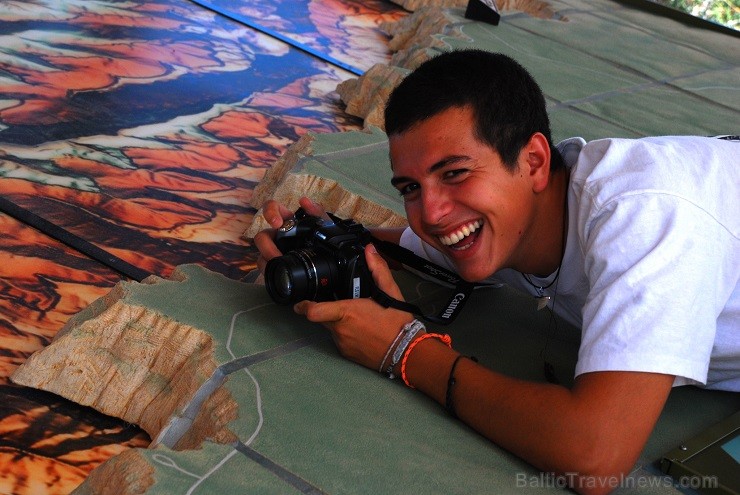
{"x": 426, "y": 269}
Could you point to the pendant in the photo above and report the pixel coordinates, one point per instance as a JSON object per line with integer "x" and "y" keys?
{"x": 542, "y": 302}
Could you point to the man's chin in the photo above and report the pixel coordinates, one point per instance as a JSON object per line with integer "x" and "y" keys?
{"x": 471, "y": 274}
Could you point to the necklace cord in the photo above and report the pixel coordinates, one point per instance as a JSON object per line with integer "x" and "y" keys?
{"x": 548, "y": 368}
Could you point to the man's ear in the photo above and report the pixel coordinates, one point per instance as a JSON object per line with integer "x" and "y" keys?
{"x": 537, "y": 155}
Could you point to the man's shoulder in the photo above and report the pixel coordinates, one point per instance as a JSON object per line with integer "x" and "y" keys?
{"x": 687, "y": 166}
{"x": 684, "y": 153}
{"x": 675, "y": 172}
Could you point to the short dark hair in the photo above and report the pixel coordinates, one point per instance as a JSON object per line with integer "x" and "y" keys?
{"x": 507, "y": 103}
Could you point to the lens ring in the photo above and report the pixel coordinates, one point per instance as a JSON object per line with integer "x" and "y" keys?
{"x": 311, "y": 272}
{"x": 303, "y": 274}
{"x": 286, "y": 279}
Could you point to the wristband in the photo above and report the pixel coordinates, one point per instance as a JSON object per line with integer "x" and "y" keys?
{"x": 445, "y": 339}
{"x": 449, "y": 403}
{"x": 451, "y": 381}
{"x": 390, "y": 348}
{"x": 409, "y": 331}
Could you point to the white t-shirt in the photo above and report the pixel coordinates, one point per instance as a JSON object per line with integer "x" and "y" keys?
{"x": 652, "y": 260}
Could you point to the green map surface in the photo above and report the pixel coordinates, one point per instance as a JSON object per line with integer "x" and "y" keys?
{"x": 311, "y": 421}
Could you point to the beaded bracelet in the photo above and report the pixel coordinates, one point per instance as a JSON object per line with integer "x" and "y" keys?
{"x": 446, "y": 339}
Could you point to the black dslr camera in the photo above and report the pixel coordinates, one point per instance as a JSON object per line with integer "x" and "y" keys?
{"x": 323, "y": 260}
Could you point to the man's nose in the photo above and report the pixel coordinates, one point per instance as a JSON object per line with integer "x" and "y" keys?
{"x": 436, "y": 204}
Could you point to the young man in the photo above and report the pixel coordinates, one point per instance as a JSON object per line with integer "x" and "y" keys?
{"x": 635, "y": 241}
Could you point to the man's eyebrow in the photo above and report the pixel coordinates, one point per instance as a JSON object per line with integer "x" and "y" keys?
{"x": 449, "y": 160}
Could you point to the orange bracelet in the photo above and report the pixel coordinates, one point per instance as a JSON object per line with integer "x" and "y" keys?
{"x": 446, "y": 339}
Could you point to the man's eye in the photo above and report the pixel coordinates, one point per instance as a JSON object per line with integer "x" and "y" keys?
{"x": 408, "y": 189}
{"x": 455, "y": 174}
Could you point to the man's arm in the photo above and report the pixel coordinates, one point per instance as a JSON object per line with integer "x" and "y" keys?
{"x": 591, "y": 434}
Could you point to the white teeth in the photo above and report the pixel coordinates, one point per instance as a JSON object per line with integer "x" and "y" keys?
{"x": 455, "y": 237}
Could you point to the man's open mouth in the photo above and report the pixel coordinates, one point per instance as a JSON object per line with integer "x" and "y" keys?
{"x": 463, "y": 237}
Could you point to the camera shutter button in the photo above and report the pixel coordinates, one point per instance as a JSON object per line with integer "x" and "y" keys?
{"x": 287, "y": 225}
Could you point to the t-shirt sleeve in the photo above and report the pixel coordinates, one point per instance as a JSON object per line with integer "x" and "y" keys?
{"x": 655, "y": 264}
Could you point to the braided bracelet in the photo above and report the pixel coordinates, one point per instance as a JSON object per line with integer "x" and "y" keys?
{"x": 446, "y": 339}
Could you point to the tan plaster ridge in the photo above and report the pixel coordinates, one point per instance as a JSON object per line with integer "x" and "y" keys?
{"x": 285, "y": 182}
{"x": 333, "y": 197}
{"x": 126, "y": 472}
{"x": 135, "y": 364}
{"x": 413, "y": 40}
{"x": 419, "y": 29}
{"x": 365, "y": 97}
{"x": 275, "y": 174}
{"x": 535, "y": 8}
{"x": 414, "y": 5}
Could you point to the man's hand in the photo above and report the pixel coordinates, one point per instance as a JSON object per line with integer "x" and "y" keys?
{"x": 276, "y": 214}
{"x": 362, "y": 329}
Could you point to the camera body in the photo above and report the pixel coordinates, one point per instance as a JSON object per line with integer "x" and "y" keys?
{"x": 323, "y": 260}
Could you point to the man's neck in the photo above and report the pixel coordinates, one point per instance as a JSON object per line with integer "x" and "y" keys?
{"x": 547, "y": 246}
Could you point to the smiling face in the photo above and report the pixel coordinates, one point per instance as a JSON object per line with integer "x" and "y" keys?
{"x": 461, "y": 199}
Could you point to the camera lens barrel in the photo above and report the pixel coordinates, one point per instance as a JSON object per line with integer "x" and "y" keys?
{"x": 300, "y": 275}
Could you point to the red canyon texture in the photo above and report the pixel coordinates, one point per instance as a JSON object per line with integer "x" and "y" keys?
{"x": 141, "y": 127}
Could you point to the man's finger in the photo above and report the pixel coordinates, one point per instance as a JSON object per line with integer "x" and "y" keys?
{"x": 326, "y": 312}
{"x": 275, "y": 213}
{"x": 265, "y": 243}
{"x": 381, "y": 273}
{"x": 261, "y": 264}
{"x": 312, "y": 208}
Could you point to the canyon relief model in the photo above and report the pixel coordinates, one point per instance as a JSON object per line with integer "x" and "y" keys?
{"x": 241, "y": 395}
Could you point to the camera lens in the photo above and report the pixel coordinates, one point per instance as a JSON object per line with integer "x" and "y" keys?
{"x": 283, "y": 285}
{"x": 300, "y": 275}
